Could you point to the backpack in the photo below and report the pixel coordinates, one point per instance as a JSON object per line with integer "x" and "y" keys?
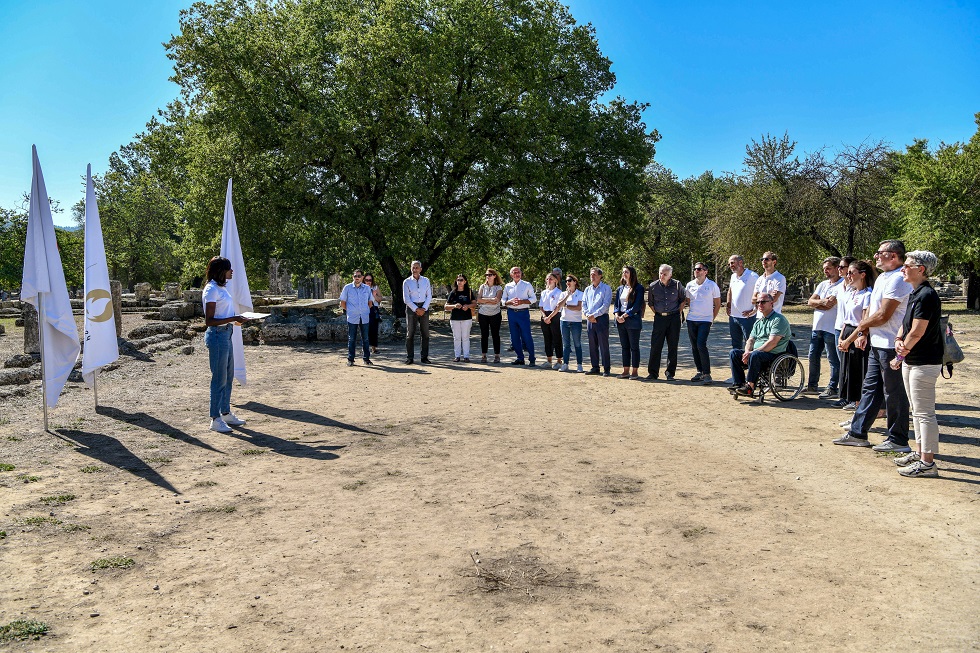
{"x": 952, "y": 352}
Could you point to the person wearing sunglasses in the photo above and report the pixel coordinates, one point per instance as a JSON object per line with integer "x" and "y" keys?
{"x": 375, "y": 324}
{"x": 882, "y": 383}
{"x": 551, "y": 329}
{"x": 703, "y": 301}
{"x": 570, "y": 305}
{"x": 488, "y": 313}
{"x": 854, "y": 303}
{"x": 823, "y": 301}
{"x": 355, "y": 301}
{"x": 773, "y": 331}
{"x": 460, "y": 302}
{"x": 518, "y": 297}
{"x": 771, "y": 282}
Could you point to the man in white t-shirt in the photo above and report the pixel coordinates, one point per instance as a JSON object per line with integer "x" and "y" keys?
{"x": 518, "y": 297}
{"x": 703, "y": 298}
{"x": 882, "y": 384}
{"x": 738, "y": 303}
{"x": 823, "y": 301}
{"x": 771, "y": 282}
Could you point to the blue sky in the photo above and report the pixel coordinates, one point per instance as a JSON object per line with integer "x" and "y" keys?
{"x": 81, "y": 79}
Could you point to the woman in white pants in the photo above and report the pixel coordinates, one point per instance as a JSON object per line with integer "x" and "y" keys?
{"x": 919, "y": 349}
{"x": 461, "y": 302}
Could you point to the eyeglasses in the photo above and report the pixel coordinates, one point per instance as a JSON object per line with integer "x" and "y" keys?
{"x": 913, "y": 265}
{"x": 460, "y": 279}
{"x": 765, "y": 301}
{"x": 358, "y": 276}
{"x": 489, "y": 274}
{"x": 841, "y": 267}
{"x": 700, "y": 269}
{"x": 882, "y": 252}
{"x": 766, "y": 258}
{"x": 569, "y": 280}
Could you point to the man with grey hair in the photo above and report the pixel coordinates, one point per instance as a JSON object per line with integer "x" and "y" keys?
{"x": 665, "y": 297}
{"x": 517, "y": 297}
{"x": 882, "y": 384}
{"x": 417, "y": 295}
{"x": 595, "y": 308}
{"x": 823, "y": 301}
{"x": 772, "y": 330}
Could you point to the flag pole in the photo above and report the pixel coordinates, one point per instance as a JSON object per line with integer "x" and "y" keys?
{"x": 44, "y": 375}
{"x": 95, "y": 387}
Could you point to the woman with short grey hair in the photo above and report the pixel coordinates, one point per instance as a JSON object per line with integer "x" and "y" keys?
{"x": 919, "y": 353}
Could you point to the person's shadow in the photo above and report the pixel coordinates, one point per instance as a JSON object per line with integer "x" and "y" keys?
{"x": 151, "y": 423}
{"x": 291, "y": 447}
{"x": 110, "y": 451}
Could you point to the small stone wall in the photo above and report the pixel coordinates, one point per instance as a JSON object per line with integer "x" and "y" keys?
{"x": 321, "y": 321}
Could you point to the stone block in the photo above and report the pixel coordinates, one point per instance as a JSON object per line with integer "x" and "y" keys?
{"x": 115, "y": 289}
{"x": 14, "y": 376}
{"x": 3, "y": 330}
{"x": 142, "y": 292}
{"x": 174, "y": 311}
{"x": 172, "y": 291}
{"x": 20, "y": 360}
{"x": 193, "y": 296}
{"x": 156, "y": 328}
{"x": 32, "y": 344}
{"x": 19, "y": 322}
{"x": 284, "y": 332}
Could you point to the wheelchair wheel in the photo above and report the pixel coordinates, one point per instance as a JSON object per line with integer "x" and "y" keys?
{"x": 786, "y": 378}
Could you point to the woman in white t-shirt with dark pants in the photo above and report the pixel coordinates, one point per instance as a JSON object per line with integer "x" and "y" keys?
{"x": 220, "y": 318}
{"x": 570, "y": 306}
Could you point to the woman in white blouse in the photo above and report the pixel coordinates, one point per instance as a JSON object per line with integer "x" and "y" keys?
{"x": 854, "y": 303}
{"x": 551, "y": 328}
{"x": 488, "y": 314}
{"x": 570, "y": 306}
{"x": 220, "y": 318}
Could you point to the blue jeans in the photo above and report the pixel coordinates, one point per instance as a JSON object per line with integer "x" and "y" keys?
{"x": 818, "y": 341}
{"x": 353, "y": 330}
{"x": 756, "y": 360}
{"x": 698, "y": 333}
{"x": 571, "y": 333}
{"x": 740, "y": 328}
{"x": 222, "y": 362}
{"x": 599, "y": 343}
{"x": 520, "y": 332}
{"x": 882, "y": 384}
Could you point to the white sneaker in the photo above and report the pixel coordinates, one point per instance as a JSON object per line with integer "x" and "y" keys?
{"x": 846, "y": 424}
{"x": 556, "y": 366}
{"x": 848, "y": 440}
{"x": 231, "y": 420}
{"x": 580, "y": 369}
{"x": 218, "y": 424}
{"x": 563, "y": 368}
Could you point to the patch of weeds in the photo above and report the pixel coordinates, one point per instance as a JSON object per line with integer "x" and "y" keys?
{"x": 7, "y": 467}
{"x": 204, "y": 484}
{"x": 11, "y": 438}
{"x": 224, "y": 509}
{"x": 393, "y": 472}
{"x": 58, "y": 500}
{"x": 23, "y": 630}
{"x": 221, "y": 463}
{"x": 388, "y": 426}
{"x": 117, "y": 562}
{"x": 29, "y": 479}
{"x": 354, "y": 485}
{"x": 694, "y": 532}
{"x": 370, "y": 441}
{"x": 889, "y": 454}
{"x": 75, "y": 528}
{"x": 3, "y": 535}
{"x": 92, "y": 469}
{"x": 158, "y": 459}
{"x": 584, "y": 462}
{"x": 294, "y": 438}
{"x": 253, "y": 452}
{"x": 39, "y": 521}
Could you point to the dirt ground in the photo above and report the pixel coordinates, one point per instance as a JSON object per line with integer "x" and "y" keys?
{"x": 452, "y": 507}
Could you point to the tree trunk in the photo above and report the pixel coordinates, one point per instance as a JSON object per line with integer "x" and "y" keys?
{"x": 395, "y": 277}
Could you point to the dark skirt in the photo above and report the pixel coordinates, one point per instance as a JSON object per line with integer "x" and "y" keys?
{"x": 853, "y": 367}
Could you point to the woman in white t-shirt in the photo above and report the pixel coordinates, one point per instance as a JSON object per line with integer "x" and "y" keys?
{"x": 570, "y": 306}
{"x": 551, "y": 329}
{"x": 854, "y": 302}
{"x": 220, "y": 318}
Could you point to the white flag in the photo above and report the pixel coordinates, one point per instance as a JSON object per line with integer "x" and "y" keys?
{"x": 44, "y": 279}
{"x": 100, "y": 326}
{"x": 241, "y": 296}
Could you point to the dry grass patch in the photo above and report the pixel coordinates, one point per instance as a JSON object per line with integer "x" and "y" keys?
{"x": 522, "y": 572}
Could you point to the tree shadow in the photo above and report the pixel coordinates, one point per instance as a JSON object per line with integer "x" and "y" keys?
{"x": 958, "y": 408}
{"x": 305, "y": 416}
{"x": 151, "y": 423}
{"x": 959, "y": 460}
{"x": 286, "y": 447}
{"x": 111, "y": 451}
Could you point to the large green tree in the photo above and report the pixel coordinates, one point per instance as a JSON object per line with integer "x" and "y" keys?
{"x": 461, "y": 128}
{"x": 938, "y": 194}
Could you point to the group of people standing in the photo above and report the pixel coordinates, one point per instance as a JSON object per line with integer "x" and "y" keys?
{"x": 881, "y": 332}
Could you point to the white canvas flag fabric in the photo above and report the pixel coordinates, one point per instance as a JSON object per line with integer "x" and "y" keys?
{"x": 100, "y": 326}
{"x": 231, "y": 249}
{"x": 44, "y": 278}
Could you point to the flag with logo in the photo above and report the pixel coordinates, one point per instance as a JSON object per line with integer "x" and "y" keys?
{"x": 101, "y": 347}
{"x": 241, "y": 296}
{"x": 44, "y": 284}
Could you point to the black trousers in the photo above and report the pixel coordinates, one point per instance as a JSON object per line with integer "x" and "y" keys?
{"x": 373, "y": 324}
{"x": 552, "y": 337}
{"x": 416, "y": 323}
{"x": 665, "y": 328}
{"x": 490, "y": 326}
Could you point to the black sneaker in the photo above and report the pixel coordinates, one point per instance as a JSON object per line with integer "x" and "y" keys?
{"x": 531, "y": 363}
{"x": 670, "y": 377}
{"x": 697, "y": 377}
{"x": 426, "y": 361}
{"x": 367, "y": 361}
{"x": 409, "y": 361}
{"x": 592, "y": 372}
{"x": 518, "y": 361}
{"x": 350, "y": 363}
{"x": 653, "y": 377}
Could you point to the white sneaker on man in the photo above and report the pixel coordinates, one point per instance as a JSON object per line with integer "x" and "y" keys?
{"x": 231, "y": 420}
{"x": 579, "y": 369}
{"x": 218, "y": 425}
{"x": 563, "y": 368}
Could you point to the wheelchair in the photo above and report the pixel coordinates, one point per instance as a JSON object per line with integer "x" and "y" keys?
{"x": 783, "y": 377}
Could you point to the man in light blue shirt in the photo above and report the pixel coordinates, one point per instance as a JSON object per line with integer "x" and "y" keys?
{"x": 355, "y": 300}
{"x": 417, "y": 294}
{"x": 595, "y": 308}
{"x": 517, "y": 297}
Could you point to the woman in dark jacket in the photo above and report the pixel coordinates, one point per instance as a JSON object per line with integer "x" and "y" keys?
{"x": 919, "y": 351}
{"x": 628, "y": 305}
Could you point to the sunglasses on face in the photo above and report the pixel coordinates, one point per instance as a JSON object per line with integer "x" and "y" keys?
{"x": 765, "y": 301}
{"x": 766, "y": 258}
{"x": 700, "y": 269}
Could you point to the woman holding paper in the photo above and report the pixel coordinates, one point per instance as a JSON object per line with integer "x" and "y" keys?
{"x": 220, "y": 318}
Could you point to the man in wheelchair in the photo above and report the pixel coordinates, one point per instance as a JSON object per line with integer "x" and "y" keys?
{"x": 773, "y": 331}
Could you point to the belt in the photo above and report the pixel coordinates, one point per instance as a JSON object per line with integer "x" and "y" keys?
{"x": 667, "y": 314}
